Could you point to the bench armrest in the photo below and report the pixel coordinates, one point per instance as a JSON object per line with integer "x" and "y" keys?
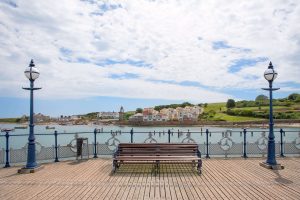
{"x": 198, "y": 153}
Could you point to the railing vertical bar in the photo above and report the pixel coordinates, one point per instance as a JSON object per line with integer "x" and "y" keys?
{"x": 281, "y": 143}
{"x": 131, "y": 135}
{"x": 207, "y": 150}
{"x": 56, "y": 147}
{"x": 7, "y": 149}
{"x": 95, "y": 144}
{"x": 245, "y": 144}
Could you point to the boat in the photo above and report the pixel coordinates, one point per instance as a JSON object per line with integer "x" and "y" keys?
{"x": 7, "y": 130}
{"x": 50, "y": 127}
{"x": 21, "y": 127}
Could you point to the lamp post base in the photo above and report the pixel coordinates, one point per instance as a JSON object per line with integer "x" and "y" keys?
{"x": 274, "y": 167}
{"x": 25, "y": 170}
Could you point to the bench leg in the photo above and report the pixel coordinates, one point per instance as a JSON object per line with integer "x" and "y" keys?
{"x": 115, "y": 166}
{"x": 199, "y": 166}
{"x": 157, "y": 167}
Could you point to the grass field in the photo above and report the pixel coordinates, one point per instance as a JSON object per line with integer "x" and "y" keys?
{"x": 215, "y": 106}
{"x": 230, "y": 118}
{"x": 217, "y": 112}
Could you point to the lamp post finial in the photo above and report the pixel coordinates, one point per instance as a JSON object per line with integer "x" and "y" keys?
{"x": 31, "y": 63}
{"x": 270, "y": 65}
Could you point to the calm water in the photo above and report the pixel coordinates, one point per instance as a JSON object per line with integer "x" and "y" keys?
{"x": 140, "y": 134}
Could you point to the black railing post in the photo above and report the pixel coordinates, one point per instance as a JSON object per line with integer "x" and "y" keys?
{"x": 245, "y": 144}
{"x": 7, "y": 150}
{"x": 281, "y": 143}
{"x": 95, "y": 143}
{"x": 131, "y": 135}
{"x": 56, "y": 147}
{"x": 207, "y": 154}
{"x": 169, "y": 136}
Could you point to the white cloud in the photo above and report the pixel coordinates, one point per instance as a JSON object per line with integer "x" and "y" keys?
{"x": 174, "y": 38}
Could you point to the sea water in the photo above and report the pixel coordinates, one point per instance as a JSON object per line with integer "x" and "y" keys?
{"x": 111, "y": 133}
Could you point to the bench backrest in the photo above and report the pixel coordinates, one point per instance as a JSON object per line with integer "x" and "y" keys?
{"x": 155, "y": 149}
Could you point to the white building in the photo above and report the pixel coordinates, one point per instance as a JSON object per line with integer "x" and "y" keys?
{"x": 149, "y": 114}
{"x": 108, "y": 115}
{"x": 166, "y": 114}
{"x": 136, "y": 117}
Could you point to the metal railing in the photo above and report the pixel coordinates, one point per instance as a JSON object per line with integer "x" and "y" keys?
{"x": 61, "y": 146}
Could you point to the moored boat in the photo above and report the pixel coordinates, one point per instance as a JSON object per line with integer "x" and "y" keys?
{"x": 21, "y": 127}
{"x": 50, "y": 127}
{"x": 7, "y": 130}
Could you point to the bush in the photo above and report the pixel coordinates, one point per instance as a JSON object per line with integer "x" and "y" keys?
{"x": 230, "y": 112}
{"x": 293, "y": 96}
{"x": 230, "y": 103}
{"x": 247, "y": 113}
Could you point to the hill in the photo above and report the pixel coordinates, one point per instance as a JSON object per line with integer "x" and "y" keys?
{"x": 286, "y": 108}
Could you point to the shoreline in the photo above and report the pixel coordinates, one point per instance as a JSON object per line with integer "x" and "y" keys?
{"x": 281, "y": 125}
{"x": 250, "y": 124}
{"x": 244, "y": 124}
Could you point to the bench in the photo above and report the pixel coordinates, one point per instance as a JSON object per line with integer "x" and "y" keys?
{"x": 144, "y": 153}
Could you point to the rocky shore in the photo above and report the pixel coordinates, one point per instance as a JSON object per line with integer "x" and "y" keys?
{"x": 245, "y": 124}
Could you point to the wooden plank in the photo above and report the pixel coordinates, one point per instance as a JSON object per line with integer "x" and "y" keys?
{"x": 280, "y": 188}
{"x": 252, "y": 189}
{"x": 139, "y": 182}
{"x": 91, "y": 179}
{"x": 166, "y": 185}
{"x": 143, "y": 183}
{"x": 185, "y": 171}
{"x": 172, "y": 184}
{"x": 146, "y": 194}
{"x": 133, "y": 185}
{"x": 217, "y": 176}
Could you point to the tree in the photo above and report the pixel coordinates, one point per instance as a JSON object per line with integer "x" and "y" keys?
{"x": 230, "y": 103}
{"x": 127, "y": 115}
{"x": 184, "y": 104}
{"x": 261, "y": 98}
{"x": 293, "y": 96}
{"x": 139, "y": 110}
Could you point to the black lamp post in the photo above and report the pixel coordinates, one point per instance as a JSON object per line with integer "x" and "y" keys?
{"x": 270, "y": 75}
{"x": 32, "y": 73}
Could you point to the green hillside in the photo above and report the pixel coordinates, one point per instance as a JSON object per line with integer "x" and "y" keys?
{"x": 217, "y": 112}
{"x": 256, "y": 110}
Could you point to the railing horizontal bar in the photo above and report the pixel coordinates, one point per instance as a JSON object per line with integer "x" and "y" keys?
{"x": 62, "y": 133}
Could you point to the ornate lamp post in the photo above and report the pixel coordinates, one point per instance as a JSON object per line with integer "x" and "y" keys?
{"x": 32, "y": 73}
{"x": 270, "y": 75}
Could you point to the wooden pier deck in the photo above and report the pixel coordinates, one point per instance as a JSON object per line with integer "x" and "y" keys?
{"x": 91, "y": 179}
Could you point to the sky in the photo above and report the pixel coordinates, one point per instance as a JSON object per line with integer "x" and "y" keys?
{"x": 101, "y": 55}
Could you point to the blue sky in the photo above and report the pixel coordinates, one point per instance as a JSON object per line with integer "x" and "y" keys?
{"x": 98, "y": 55}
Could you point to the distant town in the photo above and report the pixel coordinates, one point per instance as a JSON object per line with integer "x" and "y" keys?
{"x": 286, "y": 110}
{"x": 187, "y": 113}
